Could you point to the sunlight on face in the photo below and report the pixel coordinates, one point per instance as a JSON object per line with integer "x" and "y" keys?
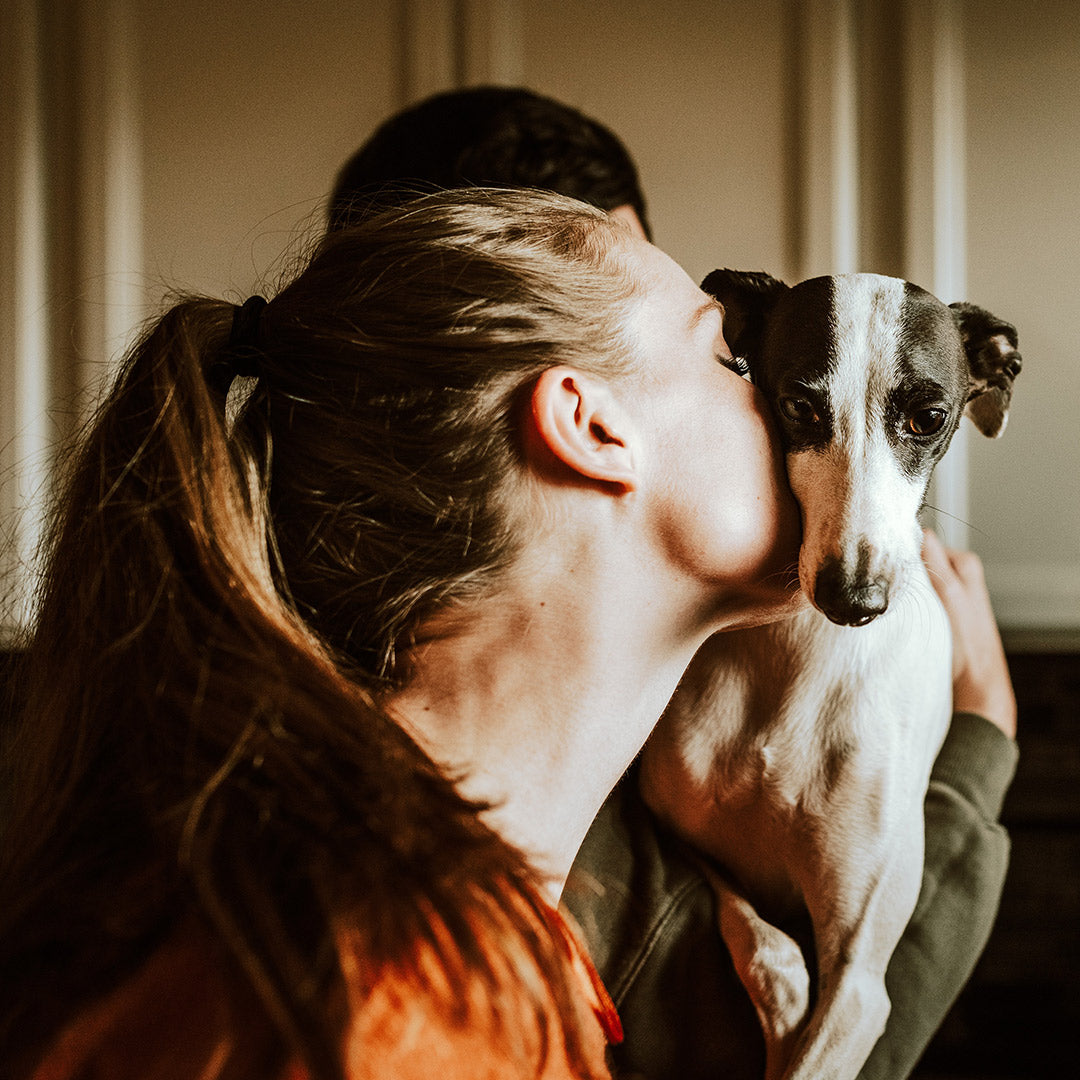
{"x": 723, "y": 509}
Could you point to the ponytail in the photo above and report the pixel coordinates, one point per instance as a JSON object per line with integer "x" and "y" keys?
{"x": 190, "y": 748}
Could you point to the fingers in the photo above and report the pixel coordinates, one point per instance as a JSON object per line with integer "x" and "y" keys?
{"x": 981, "y": 681}
{"x": 949, "y": 567}
{"x": 936, "y": 558}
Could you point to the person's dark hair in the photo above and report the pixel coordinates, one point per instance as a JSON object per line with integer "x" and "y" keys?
{"x": 489, "y": 137}
{"x": 223, "y": 595}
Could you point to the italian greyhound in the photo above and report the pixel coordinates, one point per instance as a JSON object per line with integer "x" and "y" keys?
{"x": 797, "y": 755}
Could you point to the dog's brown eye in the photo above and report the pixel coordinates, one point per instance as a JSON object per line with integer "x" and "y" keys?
{"x": 799, "y": 410}
{"x": 926, "y": 421}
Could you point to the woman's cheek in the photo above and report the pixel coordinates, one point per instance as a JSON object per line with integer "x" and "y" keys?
{"x": 763, "y": 521}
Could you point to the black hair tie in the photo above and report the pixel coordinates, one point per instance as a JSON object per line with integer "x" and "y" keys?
{"x": 244, "y": 339}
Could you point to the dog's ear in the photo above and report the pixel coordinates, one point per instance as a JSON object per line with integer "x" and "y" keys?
{"x": 748, "y": 297}
{"x": 993, "y": 363}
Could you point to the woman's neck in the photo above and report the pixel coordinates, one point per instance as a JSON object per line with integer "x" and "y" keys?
{"x": 540, "y": 699}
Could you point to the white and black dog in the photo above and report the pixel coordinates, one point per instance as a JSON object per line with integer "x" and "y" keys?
{"x": 797, "y": 755}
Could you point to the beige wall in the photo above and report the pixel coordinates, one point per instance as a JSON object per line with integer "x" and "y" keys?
{"x": 1023, "y": 169}
{"x": 697, "y": 91}
{"x": 246, "y": 117}
{"x": 225, "y": 123}
{"x": 247, "y": 110}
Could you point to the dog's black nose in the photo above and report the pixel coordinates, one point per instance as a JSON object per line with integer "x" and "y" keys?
{"x": 847, "y": 600}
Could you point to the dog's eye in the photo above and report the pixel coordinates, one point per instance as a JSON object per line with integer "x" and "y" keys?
{"x": 799, "y": 410}
{"x": 926, "y": 421}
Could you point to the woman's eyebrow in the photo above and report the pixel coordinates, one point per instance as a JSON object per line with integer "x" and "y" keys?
{"x": 712, "y": 304}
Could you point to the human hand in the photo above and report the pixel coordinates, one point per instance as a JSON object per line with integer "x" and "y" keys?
{"x": 981, "y": 680}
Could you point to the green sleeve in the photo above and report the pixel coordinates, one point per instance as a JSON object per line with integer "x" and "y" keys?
{"x": 967, "y": 853}
{"x": 648, "y": 917}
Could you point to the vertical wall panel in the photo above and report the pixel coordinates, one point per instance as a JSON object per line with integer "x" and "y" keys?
{"x": 936, "y": 251}
{"x": 828, "y": 120}
{"x": 148, "y": 146}
{"x": 1023, "y": 148}
{"x": 430, "y": 47}
{"x": 699, "y": 92}
{"x": 24, "y": 329}
{"x": 248, "y": 110}
{"x": 493, "y": 45}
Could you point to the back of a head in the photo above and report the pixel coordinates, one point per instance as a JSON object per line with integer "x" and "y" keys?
{"x": 226, "y": 586}
{"x": 437, "y": 318}
{"x": 487, "y": 137}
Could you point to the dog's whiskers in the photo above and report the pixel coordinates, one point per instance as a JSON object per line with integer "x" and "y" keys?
{"x": 954, "y": 517}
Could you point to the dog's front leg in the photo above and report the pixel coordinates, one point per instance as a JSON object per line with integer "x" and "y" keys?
{"x": 771, "y": 967}
{"x": 859, "y": 909}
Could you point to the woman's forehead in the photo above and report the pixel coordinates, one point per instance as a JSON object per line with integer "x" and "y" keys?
{"x": 666, "y": 289}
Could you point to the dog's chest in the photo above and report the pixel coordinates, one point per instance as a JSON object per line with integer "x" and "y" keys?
{"x": 783, "y": 718}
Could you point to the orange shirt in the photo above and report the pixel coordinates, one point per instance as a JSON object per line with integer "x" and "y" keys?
{"x": 173, "y": 1020}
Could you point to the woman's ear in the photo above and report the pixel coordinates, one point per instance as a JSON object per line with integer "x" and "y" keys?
{"x": 577, "y": 418}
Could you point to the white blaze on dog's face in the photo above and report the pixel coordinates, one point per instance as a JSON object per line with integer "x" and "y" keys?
{"x": 868, "y": 379}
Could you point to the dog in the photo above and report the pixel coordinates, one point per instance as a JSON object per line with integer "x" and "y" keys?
{"x": 796, "y": 756}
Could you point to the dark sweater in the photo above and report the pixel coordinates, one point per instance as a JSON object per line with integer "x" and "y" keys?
{"x": 648, "y": 917}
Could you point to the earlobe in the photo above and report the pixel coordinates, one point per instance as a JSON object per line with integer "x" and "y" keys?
{"x": 576, "y": 417}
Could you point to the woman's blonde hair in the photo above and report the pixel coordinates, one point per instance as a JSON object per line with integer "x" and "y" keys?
{"x": 393, "y": 419}
{"x": 223, "y": 599}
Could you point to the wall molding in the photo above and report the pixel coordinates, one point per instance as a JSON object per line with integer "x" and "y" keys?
{"x": 936, "y": 210}
{"x": 493, "y": 42}
{"x": 832, "y": 154}
{"x": 24, "y": 324}
{"x": 448, "y": 44}
{"x": 109, "y": 188}
{"x": 71, "y": 224}
{"x": 430, "y": 53}
{"x": 827, "y": 120}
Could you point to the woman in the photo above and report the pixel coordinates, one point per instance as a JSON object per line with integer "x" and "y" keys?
{"x": 496, "y": 481}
